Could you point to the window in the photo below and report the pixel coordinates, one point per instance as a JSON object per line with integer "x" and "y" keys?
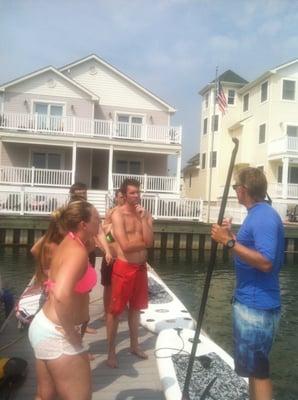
{"x": 128, "y": 167}
{"x": 203, "y": 160}
{"x": 46, "y": 160}
{"x": 206, "y": 100}
{"x": 279, "y": 174}
{"x": 49, "y": 116}
{"x": 231, "y": 96}
{"x": 261, "y": 168}
{"x": 205, "y": 126}
{"x": 288, "y": 90}
{"x": 213, "y": 156}
{"x": 245, "y": 102}
{"x": 262, "y": 133}
{"x": 215, "y": 122}
{"x": 292, "y": 130}
{"x": 189, "y": 184}
{"x": 264, "y": 91}
{"x": 129, "y": 126}
{"x": 293, "y": 175}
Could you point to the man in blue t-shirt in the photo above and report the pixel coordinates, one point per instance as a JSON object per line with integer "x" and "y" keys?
{"x": 258, "y": 251}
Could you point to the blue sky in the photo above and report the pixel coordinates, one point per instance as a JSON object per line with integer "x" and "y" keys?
{"x": 172, "y": 47}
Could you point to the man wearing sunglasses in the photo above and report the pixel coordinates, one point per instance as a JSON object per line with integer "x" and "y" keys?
{"x": 258, "y": 251}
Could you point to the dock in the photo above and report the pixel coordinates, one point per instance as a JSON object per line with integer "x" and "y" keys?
{"x": 135, "y": 379}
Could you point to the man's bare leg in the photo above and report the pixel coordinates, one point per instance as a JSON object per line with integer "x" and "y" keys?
{"x": 112, "y": 327}
{"x": 260, "y": 389}
{"x": 133, "y": 323}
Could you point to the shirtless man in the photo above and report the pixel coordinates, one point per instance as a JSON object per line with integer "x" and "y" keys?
{"x": 132, "y": 230}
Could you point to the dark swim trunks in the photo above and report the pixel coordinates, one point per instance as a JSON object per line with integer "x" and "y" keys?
{"x": 106, "y": 272}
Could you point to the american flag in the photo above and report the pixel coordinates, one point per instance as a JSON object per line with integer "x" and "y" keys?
{"x": 221, "y": 98}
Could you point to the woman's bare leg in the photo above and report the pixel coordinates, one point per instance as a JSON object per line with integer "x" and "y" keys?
{"x": 72, "y": 376}
{"x": 45, "y": 384}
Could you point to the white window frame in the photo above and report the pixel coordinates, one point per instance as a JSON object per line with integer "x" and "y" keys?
{"x": 231, "y": 104}
{"x": 264, "y": 101}
{"x": 246, "y": 94}
{"x": 289, "y": 124}
{"x": 263, "y": 123}
{"x": 211, "y": 159}
{"x": 212, "y": 119}
{"x": 54, "y": 103}
{"x": 47, "y": 151}
{"x": 130, "y": 115}
{"x": 128, "y": 159}
{"x": 282, "y": 85}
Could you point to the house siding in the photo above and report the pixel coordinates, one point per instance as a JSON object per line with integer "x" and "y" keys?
{"x": 112, "y": 89}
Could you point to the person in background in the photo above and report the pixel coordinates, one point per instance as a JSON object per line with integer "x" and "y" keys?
{"x": 62, "y": 363}
{"x": 258, "y": 251}
{"x": 106, "y": 268}
{"x": 78, "y": 191}
{"x": 132, "y": 230}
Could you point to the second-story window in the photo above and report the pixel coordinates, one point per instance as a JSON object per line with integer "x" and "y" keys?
{"x": 288, "y": 89}
{"x": 189, "y": 184}
{"x": 231, "y": 96}
{"x": 292, "y": 131}
{"x": 246, "y": 102}
{"x": 215, "y": 123}
{"x": 264, "y": 91}
{"x": 203, "y": 160}
{"x": 213, "y": 159}
{"x": 129, "y": 126}
{"x": 205, "y": 126}
{"x": 262, "y": 133}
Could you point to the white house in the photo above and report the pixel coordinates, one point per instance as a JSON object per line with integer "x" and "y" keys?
{"x": 87, "y": 122}
{"x": 262, "y": 114}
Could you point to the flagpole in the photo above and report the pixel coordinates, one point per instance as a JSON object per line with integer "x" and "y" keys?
{"x": 212, "y": 143}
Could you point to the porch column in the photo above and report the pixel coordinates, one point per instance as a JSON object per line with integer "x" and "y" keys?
{"x": 285, "y": 172}
{"x": 178, "y": 173}
{"x": 110, "y": 177}
{"x": 74, "y": 162}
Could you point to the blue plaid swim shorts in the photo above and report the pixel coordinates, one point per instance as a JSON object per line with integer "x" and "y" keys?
{"x": 254, "y": 333}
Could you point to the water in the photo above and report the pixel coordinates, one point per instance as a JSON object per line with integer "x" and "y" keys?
{"x": 185, "y": 276}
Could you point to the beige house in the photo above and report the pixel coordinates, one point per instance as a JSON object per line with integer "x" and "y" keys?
{"x": 191, "y": 177}
{"x": 262, "y": 114}
{"x": 87, "y": 122}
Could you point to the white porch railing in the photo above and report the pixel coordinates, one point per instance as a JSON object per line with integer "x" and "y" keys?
{"x": 35, "y": 176}
{"x": 149, "y": 183}
{"x": 52, "y": 125}
{"x": 283, "y": 145}
{"x": 275, "y": 190}
{"x": 18, "y": 201}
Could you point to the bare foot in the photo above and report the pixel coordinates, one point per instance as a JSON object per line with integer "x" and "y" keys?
{"x": 91, "y": 357}
{"x": 90, "y": 330}
{"x": 139, "y": 353}
{"x": 112, "y": 361}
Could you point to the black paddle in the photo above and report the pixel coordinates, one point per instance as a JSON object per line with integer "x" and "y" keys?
{"x": 185, "y": 394}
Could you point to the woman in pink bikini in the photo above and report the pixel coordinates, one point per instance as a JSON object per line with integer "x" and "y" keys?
{"x": 62, "y": 362}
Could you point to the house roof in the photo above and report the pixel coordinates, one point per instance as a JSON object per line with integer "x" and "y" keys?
{"x": 42, "y": 71}
{"x": 228, "y": 77}
{"x": 266, "y": 75}
{"x": 119, "y": 73}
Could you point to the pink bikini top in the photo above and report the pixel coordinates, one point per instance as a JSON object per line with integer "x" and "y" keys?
{"x": 89, "y": 279}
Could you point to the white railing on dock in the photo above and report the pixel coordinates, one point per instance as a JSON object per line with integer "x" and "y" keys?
{"x": 73, "y": 126}
{"x": 149, "y": 183}
{"x": 35, "y": 176}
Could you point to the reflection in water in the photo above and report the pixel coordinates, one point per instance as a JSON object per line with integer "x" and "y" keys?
{"x": 185, "y": 275}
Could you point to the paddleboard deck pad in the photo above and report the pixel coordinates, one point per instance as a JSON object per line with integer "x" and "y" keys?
{"x": 164, "y": 310}
{"x": 213, "y": 376}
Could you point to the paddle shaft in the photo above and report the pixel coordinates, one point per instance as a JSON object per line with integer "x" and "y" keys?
{"x": 185, "y": 393}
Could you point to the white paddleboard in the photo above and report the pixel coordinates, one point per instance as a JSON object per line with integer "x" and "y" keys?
{"x": 213, "y": 373}
{"x": 165, "y": 310}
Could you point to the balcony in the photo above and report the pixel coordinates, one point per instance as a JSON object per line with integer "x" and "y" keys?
{"x": 275, "y": 190}
{"x": 35, "y": 176}
{"x": 150, "y": 183}
{"x": 93, "y": 128}
{"x": 282, "y": 146}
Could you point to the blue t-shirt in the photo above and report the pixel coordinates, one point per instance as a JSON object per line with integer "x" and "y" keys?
{"x": 262, "y": 230}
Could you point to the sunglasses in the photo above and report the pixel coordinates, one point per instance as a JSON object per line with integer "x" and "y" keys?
{"x": 235, "y": 186}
